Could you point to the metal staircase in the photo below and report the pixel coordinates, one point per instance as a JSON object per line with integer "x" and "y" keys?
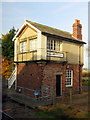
{"x": 12, "y": 78}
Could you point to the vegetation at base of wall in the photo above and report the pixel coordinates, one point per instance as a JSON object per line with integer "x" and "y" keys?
{"x": 86, "y": 82}
{"x": 86, "y": 73}
{"x": 61, "y": 111}
{"x": 86, "y": 78}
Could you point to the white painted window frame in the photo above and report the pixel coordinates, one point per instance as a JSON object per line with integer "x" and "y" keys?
{"x": 53, "y": 45}
{"x": 69, "y": 75}
{"x": 33, "y": 44}
{"x": 23, "y": 46}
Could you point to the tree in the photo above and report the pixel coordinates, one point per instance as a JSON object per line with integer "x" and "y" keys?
{"x": 8, "y": 45}
{"x": 7, "y": 67}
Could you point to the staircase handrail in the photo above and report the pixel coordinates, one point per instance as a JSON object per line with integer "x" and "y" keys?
{"x": 14, "y": 71}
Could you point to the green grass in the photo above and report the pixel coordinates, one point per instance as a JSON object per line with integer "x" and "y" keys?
{"x": 45, "y": 114}
{"x": 86, "y": 84}
{"x": 55, "y": 114}
{"x": 61, "y": 113}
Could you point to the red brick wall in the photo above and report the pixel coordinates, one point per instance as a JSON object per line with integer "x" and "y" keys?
{"x": 50, "y": 72}
{"x": 34, "y": 76}
{"x": 29, "y": 75}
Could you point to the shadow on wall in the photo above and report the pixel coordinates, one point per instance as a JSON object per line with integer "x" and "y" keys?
{"x": 29, "y": 76}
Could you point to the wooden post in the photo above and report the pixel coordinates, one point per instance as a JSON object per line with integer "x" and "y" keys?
{"x": 53, "y": 95}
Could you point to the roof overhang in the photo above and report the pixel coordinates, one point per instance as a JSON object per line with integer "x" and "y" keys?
{"x": 25, "y": 23}
{"x": 63, "y": 38}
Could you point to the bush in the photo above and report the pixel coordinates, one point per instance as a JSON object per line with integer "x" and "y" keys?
{"x": 86, "y": 74}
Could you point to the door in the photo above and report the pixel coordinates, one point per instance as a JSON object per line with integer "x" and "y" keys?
{"x": 58, "y": 85}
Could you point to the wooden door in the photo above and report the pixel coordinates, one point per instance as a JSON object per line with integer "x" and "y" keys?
{"x": 58, "y": 85}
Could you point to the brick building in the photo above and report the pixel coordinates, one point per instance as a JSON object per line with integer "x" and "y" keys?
{"x": 46, "y": 57}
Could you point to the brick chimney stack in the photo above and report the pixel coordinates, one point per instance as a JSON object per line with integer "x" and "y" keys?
{"x": 77, "y": 30}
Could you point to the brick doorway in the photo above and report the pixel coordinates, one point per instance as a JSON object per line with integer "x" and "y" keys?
{"x": 58, "y": 86}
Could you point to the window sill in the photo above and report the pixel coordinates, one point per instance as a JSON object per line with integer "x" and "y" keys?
{"x": 69, "y": 86}
{"x": 23, "y": 52}
{"x": 33, "y": 50}
{"x": 53, "y": 51}
{"x": 27, "y": 51}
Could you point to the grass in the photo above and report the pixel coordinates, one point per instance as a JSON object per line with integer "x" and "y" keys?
{"x": 54, "y": 114}
{"x": 63, "y": 112}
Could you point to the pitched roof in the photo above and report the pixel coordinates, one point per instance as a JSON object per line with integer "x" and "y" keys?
{"x": 53, "y": 31}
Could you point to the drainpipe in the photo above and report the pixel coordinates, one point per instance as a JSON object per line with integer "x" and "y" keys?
{"x": 79, "y": 71}
{"x": 16, "y": 77}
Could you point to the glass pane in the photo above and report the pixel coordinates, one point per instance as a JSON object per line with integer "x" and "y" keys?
{"x": 54, "y": 44}
{"x": 68, "y": 77}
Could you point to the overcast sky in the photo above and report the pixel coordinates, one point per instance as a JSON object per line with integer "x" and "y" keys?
{"x": 59, "y": 15}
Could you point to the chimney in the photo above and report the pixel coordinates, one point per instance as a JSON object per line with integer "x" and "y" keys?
{"x": 77, "y": 30}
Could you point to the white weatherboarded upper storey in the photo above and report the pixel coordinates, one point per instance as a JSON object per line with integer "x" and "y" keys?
{"x": 50, "y": 44}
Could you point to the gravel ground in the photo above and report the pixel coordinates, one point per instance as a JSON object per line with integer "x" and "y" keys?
{"x": 17, "y": 110}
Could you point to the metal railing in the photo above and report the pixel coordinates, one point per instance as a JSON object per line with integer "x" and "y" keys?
{"x": 45, "y": 93}
{"x": 31, "y": 97}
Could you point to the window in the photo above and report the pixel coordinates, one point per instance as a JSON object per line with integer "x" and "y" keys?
{"x": 23, "y": 46}
{"x": 69, "y": 77}
{"x": 33, "y": 44}
{"x": 51, "y": 44}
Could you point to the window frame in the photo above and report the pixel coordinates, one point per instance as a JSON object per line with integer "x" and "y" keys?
{"x": 51, "y": 45}
{"x": 23, "y": 47}
{"x": 69, "y": 76}
{"x": 34, "y": 46}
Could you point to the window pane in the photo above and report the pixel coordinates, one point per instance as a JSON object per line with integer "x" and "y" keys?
{"x": 33, "y": 44}
{"x": 51, "y": 44}
{"x": 69, "y": 77}
{"x": 23, "y": 46}
{"x": 54, "y": 45}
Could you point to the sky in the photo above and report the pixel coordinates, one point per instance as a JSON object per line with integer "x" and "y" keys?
{"x": 60, "y": 15}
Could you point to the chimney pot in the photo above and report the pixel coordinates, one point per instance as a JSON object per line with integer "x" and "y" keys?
{"x": 77, "y": 21}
